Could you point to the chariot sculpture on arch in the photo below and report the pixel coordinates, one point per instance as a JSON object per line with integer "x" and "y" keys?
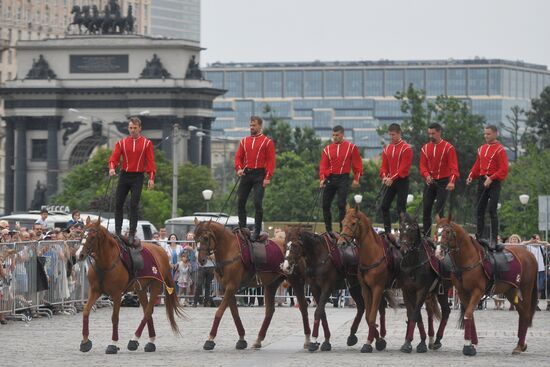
{"x": 88, "y": 19}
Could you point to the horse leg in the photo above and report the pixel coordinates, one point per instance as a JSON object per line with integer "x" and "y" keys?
{"x": 298, "y": 288}
{"x": 86, "y": 343}
{"x": 409, "y": 335}
{"x": 241, "y": 344}
{"x": 148, "y": 309}
{"x": 470, "y": 335}
{"x": 113, "y": 347}
{"x": 143, "y": 301}
{"x": 381, "y": 342}
{"x": 374, "y": 297}
{"x": 445, "y": 312}
{"x": 319, "y": 313}
{"x": 421, "y": 347}
{"x": 269, "y": 302}
{"x": 230, "y": 290}
{"x": 355, "y": 292}
{"x": 325, "y": 347}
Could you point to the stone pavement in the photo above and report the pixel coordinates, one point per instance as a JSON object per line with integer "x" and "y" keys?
{"x": 55, "y": 342}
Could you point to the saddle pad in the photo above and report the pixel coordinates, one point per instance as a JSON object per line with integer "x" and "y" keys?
{"x": 503, "y": 267}
{"x": 273, "y": 255}
{"x": 434, "y": 263}
{"x": 259, "y": 251}
{"x": 150, "y": 267}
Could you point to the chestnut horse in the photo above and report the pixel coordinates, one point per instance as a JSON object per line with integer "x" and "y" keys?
{"x": 471, "y": 281}
{"x": 108, "y": 275}
{"x": 215, "y": 239}
{"x": 421, "y": 283}
{"x": 377, "y": 271}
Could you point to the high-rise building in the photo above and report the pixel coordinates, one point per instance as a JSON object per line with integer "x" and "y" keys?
{"x": 176, "y": 19}
{"x": 360, "y": 95}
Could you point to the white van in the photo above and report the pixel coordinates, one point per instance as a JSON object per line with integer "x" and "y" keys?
{"x": 54, "y": 220}
{"x": 144, "y": 230}
{"x": 182, "y": 225}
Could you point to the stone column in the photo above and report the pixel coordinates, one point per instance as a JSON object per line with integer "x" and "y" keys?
{"x": 21, "y": 166}
{"x": 52, "y": 156}
{"x": 206, "y": 150}
{"x": 9, "y": 182}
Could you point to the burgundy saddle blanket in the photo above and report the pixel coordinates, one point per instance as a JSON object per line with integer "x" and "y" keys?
{"x": 274, "y": 257}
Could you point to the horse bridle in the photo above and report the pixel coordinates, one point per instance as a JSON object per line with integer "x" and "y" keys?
{"x": 207, "y": 236}
{"x": 458, "y": 270}
{"x": 352, "y": 237}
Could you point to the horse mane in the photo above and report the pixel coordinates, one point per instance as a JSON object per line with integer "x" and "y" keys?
{"x": 458, "y": 228}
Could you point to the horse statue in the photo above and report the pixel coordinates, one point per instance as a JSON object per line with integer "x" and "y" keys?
{"x": 326, "y": 271}
{"x": 112, "y": 272}
{"x": 96, "y": 22}
{"x": 108, "y": 25}
{"x": 78, "y": 19}
{"x": 129, "y": 21}
{"x": 475, "y": 272}
{"x": 234, "y": 269}
{"x": 87, "y": 18}
{"x": 378, "y": 271}
{"x": 421, "y": 282}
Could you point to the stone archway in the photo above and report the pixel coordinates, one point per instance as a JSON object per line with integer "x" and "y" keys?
{"x": 85, "y": 149}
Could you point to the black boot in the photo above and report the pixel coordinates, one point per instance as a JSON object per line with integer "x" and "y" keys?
{"x": 131, "y": 238}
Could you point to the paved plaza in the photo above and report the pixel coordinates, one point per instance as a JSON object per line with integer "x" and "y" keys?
{"x": 55, "y": 342}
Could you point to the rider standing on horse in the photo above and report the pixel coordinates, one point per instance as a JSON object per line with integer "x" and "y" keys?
{"x": 137, "y": 157}
{"x": 337, "y": 159}
{"x": 394, "y": 172}
{"x": 439, "y": 167}
{"x": 255, "y": 164}
{"x": 491, "y": 167}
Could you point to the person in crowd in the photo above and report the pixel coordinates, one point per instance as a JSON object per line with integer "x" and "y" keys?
{"x": 163, "y": 238}
{"x": 174, "y": 251}
{"x": 204, "y": 282}
{"x": 75, "y": 219}
{"x": 190, "y": 250}
{"x": 184, "y": 276}
{"x": 536, "y": 247}
{"x": 42, "y": 220}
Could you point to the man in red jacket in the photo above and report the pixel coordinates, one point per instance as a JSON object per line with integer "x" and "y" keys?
{"x": 394, "y": 172}
{"x": 439, "y": 167}
{"x": 337, "y": 159}
{"x": 137, "y": 157}
{"x": 255, "y": 164}
{"x": 491, "y": 167}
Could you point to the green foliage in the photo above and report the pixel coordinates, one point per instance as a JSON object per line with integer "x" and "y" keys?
{"x": 192, "y": 180}
{"x": 156, "y": 206}
{"x": 538, "y": 121}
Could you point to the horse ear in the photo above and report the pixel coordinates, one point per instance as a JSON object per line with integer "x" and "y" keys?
{"x": 437, "y": 218}
{"x": 88, "y": 220}
{"x": 450, "y": 217}
{"x": 196, "y": 221}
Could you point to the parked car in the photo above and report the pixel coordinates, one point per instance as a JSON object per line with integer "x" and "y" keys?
{"x": 182, "y": 225}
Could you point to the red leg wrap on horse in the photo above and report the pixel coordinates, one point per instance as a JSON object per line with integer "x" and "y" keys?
{"x": 115, "y": 333}
{"x": 441, "y": 328}
{"x": 140, "y": 328}
{"x": 421, "y": 330}
{"x": 85, "y": 326}
{"x": 373, "y": 333}
{"x": 265, "y": 326}
{"x": 522, "y": 333}
{"x": 431, "y": 331}
{"x": 383, "y": 324}
{"x": 315, "y": 329}
{"x": 474, "y": 332}
{"x": 326, "y": 330}
{"x": 410, "y": 330}
{"x": 467, "y": 329}
{"x": 239, "y": 325}
{"x": 151, "y": 328}
{"x": 215, "y": 325}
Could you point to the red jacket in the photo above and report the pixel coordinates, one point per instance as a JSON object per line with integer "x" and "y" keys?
{"x": 396, "y": 160}
{"x": 439, "y": 161}
{"x": 491, "y": 161}
{"x": 256, "y": 151}
{"x": 137, "y": 156}
{"x": 339, "y": 159}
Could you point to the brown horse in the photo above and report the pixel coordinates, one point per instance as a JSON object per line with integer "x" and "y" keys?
{"x": 233, "y": 274}
{"x": 471, "y": 281}
{"x": 377, "y": 271}
{"x": 107, "y": 274}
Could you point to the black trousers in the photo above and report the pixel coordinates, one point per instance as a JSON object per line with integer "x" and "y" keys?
{"x": 437, "y": 191}
{"x": 204, "y": 281}
{"x": 487, "y": 198}
{"x": 253, "y": 179}
{"x": 128, "y": 182}
{"x": 399, "y": 187}
{"x": 335, "y": 185}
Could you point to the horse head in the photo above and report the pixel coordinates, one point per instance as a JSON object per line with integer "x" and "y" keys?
{"x": 355, "y": 226}
{"x": 206, "y": 239}
{"x": 409, "y": 233}
{"x": 94, "y": 235}
{"x": 294, "y": 252}
{"x": 447, "y": 234}
{"x": 75, "y": 9}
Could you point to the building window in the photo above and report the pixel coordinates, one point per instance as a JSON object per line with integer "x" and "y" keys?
{"x": 435, "y": 82}
{"x": 39, "y": 149}
{"x": 293, "y": 84}
{"x": 495, "y": 82}
{"x": 394, "y": 82}
{"x": 477, "y": 82}
{"x": 456, "y": 82}
{"x": 253, "y": 84}
{"x": 333, "y": 83}
{"x": 416, "y": 78}
{"x": 234, "y": 84}
{"x": 353, "y": 86}
{"x": 374, "y": 83}
{"x": 273, "y": 84}
{"x": 313, "y": 83}
{"x": 216, "y": 77}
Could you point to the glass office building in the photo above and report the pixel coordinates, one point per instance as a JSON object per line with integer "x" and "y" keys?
{"x": 360, "y": 95}
{"x": 176, "y": 19}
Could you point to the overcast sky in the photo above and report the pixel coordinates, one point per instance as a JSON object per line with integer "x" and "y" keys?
{"x": 350, "y": 30}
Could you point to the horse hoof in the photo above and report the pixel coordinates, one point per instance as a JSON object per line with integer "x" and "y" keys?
{"x": 257, "y": 345}
{"x": 111, "y": 349}
{"x": 326, "y": 347}
{"x": 406, "y": 347}
{"x": 437, "y": 344}
{"x": 367, "y": 348}
{"x": 306, "y": 345}
{"x": 209, "y": 345}
{"x": 241, "y": 344}
{"x": 380, "y": 344}
{"x": 519, "y": 349}
{"x": 421, "y": 347}
{"x": 86, "y": 346}
{"x": 469, "y": 350}
{"x": 313, "y": 347}
{"x": 352, "y": 340}
{"x": 133, "y": 345}
{"x": 150, "y": 347}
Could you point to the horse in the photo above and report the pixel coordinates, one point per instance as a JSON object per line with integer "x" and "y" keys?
{"x": 377, "y": 271}
{"x": 78, "y": 19}
{"x": 472, "y": 278}
{"x": 129, "y": 21}
{"x": 421, "y": 283}
{"x": 323, "y": 276}
{"x": 97, "y": 21}
{"x": 233, "y": 272}
{"x": 108, "y": 274}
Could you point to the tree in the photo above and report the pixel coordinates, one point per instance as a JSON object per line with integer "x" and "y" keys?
{"x": 515, "y": 129}
{"x": 538, "y": 121}
{"x": 192, "y": 180}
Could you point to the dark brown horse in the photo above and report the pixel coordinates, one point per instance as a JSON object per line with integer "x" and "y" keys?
{"x": 421, "y": 283}
{"x": 472, "y": 282}
{"x": 232, "y": 273}
{"x": 323, "y": 277}
{"x": 377, "y": 271}
{"x": 107, "y": 274}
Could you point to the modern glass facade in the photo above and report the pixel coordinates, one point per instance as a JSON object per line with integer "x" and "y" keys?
{"x": 360, "y": 95}
{"x": 176, "y": 19}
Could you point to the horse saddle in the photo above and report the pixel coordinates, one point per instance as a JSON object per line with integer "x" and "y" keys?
{"x": 350, "y": 258}
{"x": 446, "y": 267}
{"x": 499, "y": 262}
{"x": 134, "y": 250}
{"x": 257, "y": 248}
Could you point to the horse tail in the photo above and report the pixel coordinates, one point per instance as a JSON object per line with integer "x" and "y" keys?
{"x": 172, "y": 301}
{"x": 534, "y": 301}
{"x": 460, "y": 323}
{"x": 432, "y": 306}
{"x": 389, "y": 295}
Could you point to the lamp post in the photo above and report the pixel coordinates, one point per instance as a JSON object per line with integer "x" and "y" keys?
{"x": 175, "y": 141}
{"x": 207, "y": 195}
